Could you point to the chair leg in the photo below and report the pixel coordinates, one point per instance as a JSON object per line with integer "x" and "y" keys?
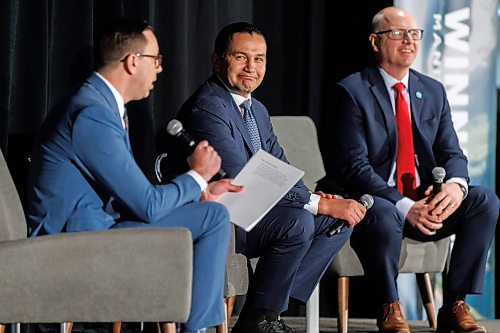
{"x": 312, "y": 312}
{"x": 66, "y": 327}
{"x": 425, "y": 287}
{"x": 228, "y": 307}
{"x": 117, "y": 327}
{"x": 343, "y": 303}
{"x": 167, "y": 328}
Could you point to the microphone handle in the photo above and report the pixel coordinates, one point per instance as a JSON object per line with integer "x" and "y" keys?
{"x": 336, "y": 227}
{"x": 219, "y": 175}
{"x": 339, "y": 224}
{"x": 187, "y": 139}
{"x": 436, "y": 187}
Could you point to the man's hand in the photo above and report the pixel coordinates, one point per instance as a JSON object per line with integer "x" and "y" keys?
{"x": 204, "y": 160}
{"x": 420, "y": 218}
{"x": 446, "y": 201}
{"x": 215, "y": 189}
{"x": 345, "y": 209}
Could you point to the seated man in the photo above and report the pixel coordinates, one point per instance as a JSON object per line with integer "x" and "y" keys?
{"x": 290, "y": 240}
{"x": 84, "y": 176}
{"x": 388, "y": 147}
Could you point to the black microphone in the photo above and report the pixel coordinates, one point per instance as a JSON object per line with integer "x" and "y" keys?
{"x": 175, "y": 128}
{"x": 438, "y": 175}
{"x": 337, "y": 226}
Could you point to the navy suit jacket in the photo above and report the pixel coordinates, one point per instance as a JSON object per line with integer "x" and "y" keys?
{"x": 83, "y": 173}
{"x": 360, "y": 142}
{"x": 211, "y": 114}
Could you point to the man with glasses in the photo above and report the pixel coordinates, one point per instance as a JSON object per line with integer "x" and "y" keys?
{"x": 389, "y": 127}
{"x": 84, "y": 176}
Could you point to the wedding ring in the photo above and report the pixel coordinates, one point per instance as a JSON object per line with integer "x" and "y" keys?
{"x": 452, "y": 205}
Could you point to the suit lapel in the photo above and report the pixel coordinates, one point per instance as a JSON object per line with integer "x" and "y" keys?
{"x": 416, "y": 98}
{"x": 233, "y": 110}
{"x": 380, "y": 92}
{"x": 110, "y": 102}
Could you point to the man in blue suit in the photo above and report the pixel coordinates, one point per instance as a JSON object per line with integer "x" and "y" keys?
{"x": 84, "y": 176}
{"x": 365, "y": 151}
{"x": 290, "y": 240}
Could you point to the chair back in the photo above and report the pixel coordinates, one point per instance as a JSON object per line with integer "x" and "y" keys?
{"x": 12, "y": 219}
{"x": 298, "y": 137}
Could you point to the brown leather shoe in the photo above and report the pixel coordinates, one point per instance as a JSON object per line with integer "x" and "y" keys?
{"x": 457, "y": 318}
{"x": 391, "y": 319}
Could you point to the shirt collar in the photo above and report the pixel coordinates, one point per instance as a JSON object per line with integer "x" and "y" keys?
{"x": 238, "y": 99}
{"x": 390, "y": 81}
{"x": 117, "y": 96}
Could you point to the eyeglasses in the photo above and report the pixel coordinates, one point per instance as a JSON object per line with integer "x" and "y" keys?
{"x": 400, "y": 34}
{"x": 158, "y": 58}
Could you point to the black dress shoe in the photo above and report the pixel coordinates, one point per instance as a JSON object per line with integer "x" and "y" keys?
{"x": 275, "y": 326}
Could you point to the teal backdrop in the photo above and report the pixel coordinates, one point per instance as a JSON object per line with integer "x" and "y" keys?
{"x": 460, "y": 49}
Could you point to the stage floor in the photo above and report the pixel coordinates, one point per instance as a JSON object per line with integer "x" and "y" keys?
{"x": 298, "y": 324}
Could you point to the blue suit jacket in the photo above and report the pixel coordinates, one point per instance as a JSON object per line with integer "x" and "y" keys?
{"x": 360, "y": 146}
{"x": 83, "y": 174}
{"x": 211, "y": 114}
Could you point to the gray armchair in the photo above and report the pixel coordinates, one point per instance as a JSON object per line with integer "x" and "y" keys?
{"x": 108, "y": 276}
{"x": 416, "y": 257}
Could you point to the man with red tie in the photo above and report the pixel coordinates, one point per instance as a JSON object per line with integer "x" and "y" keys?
{"x": 389, "y": 127}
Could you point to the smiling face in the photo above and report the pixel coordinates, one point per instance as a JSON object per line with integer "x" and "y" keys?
{"x": 394, "y": 56}
{"x": 243, "y": 65}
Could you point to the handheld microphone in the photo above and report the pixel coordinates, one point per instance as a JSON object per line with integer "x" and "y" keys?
{"x": 438, "y": 175}
{"x": 175, "y": 128}
{"x": 366, "y": 200}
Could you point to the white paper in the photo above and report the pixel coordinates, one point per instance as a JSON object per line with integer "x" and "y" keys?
{"x": 266, "y": 179}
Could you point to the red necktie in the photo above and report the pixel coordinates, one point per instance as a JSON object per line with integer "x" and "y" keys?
{"x": 405, "y": 160}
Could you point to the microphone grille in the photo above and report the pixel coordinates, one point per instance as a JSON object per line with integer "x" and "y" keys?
{"x": 174, "y": 127}
{"x": 366, "y": 200}
{"x": 438, "y": 174}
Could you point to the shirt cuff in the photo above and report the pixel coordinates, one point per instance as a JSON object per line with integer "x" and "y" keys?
{"x": 404, "y": 205}
{"x": 462, "y": 182}
{"x": 312, "y": 205}
{"x": 198, "y": 179}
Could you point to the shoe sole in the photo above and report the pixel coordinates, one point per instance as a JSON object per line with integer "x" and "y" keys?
{"x": 449, "y": 330}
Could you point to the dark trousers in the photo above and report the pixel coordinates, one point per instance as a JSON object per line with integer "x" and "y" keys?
{"x": 293, "y": 252}
{"x": 378, "y": 238}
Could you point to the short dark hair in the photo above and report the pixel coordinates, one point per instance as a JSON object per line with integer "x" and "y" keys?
{"x": 121, "y": 37}
{"x": 226, "y": 35}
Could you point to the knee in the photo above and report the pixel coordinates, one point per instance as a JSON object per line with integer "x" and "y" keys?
{"x": 384, "y": 215}
{"x": 301, "y": 227}
{"x": 483, "y": 200}
{"x": 483, "y": 196}
{"x": 217, "y": 214}
{"x": 382, "y": 221}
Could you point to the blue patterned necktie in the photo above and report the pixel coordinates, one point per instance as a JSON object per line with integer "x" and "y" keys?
{"x": 249, "y": 120}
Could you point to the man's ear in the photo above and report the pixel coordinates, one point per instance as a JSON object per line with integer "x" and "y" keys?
{"x": 130, "y": 64}
{"x": 373, "y": 42}
{"x": 216, "y": 62}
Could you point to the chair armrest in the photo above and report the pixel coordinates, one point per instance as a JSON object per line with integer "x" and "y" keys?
{"x": 236, "y": 279}
{"x": 114, "y": 275}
